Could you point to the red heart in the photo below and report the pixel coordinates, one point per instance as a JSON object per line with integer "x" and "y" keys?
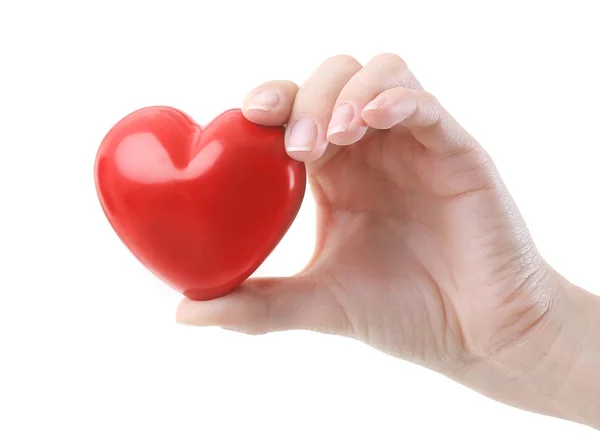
{"x": 201, "y": 208}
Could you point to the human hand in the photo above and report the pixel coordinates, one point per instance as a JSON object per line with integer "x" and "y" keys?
{"x": 421, "y": 252}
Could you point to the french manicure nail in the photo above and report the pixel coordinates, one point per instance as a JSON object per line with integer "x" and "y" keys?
{"x": 264, "y": 101}
{"x": 303, "y": 136}
{"x": 341, "y": 119}
{"x": 376, "y": 103}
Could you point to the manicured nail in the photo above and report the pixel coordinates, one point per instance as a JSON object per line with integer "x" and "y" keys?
{"x": 341, "y": 119}
{"x": 303, "y": 136}
{"x": 376, "y": 103}
{"x": 263, "y": 101}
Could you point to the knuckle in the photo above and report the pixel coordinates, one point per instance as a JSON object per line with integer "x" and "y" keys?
{"x": 396, "y": 69}
{"x": 344, "y": 60}
{"x": 428, "y": 97}
{"x": 431, "y": 105}
{"x": 285, "y": 85}
{"x": 391, "y": 61}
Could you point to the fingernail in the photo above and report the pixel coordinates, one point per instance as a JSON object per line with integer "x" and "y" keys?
{"x": 341, "y": 119}
{"x": 376, "y": 103}
{"x": 303, "y": 136}
{"x": 264, "y": 101}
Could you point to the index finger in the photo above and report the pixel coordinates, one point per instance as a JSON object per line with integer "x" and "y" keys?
{"x": 270, "y": 104}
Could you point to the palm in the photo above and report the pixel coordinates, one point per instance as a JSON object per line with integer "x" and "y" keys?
{"x": 415, "y": 247}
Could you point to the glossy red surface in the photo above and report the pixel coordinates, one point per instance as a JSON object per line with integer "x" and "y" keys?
{"x": 200, "y": 208}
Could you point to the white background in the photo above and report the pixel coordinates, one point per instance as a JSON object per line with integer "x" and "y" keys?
{"x": 89, "y": 349}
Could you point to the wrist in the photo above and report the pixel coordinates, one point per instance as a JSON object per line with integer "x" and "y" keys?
{"x": 555, "y": 369}
{"x": 579, "y": 394}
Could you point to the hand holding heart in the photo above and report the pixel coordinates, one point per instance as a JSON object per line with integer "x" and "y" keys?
{"x": 421, "y": 252}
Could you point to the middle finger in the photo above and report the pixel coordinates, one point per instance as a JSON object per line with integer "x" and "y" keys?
{"x": 306, "y": 133}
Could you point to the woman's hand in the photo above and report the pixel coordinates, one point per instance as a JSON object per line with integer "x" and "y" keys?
{"x": 421, "y": 251}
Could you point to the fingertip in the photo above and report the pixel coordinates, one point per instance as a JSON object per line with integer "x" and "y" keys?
{"x": 270, "y": 104}
{"x": 375, "y": 113}
{"x": 390, "y": 108}
{"x": 185, "y": 313}
{"x": 378, "y": 120}
{"x": 349, "y": 136}
{"x": 304, "y": 154}
{"x": 263, "y": 101}
{"x": 239, "y": 308}
{"x": 202, "y": 313}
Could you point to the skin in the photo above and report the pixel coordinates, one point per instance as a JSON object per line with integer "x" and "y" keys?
{"x": 421, "y": 251}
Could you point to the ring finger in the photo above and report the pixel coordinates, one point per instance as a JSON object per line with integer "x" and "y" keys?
{"x": 382, "y": 72}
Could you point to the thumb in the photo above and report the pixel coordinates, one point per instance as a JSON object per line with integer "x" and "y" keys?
{"x": 263, "y": 305}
